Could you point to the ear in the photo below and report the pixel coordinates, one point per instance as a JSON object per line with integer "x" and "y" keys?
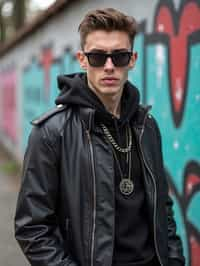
{"x": 82, "y": 59}
{"x": 133, "y": 60}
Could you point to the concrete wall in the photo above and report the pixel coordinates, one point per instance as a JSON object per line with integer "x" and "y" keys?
{"x": 167, "y": 73}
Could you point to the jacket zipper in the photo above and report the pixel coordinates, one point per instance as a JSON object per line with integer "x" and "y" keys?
{"x": 94, "y": 196}
{"x": 155, "y": 197}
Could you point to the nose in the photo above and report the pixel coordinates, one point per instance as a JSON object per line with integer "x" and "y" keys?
{"x": 109, "y": 64}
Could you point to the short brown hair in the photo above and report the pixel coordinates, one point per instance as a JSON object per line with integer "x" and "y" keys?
{"x": 108, "y": 19}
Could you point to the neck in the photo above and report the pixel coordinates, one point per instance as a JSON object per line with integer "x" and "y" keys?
{"x": 111, "y": 102}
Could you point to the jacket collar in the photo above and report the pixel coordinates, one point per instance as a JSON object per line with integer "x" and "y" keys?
{"x": 87, "y": 115}
{"x": 140, "y": 116}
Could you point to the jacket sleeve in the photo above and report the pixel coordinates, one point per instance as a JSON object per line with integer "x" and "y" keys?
{"x": 36, "y": 227}
{"x": 174, "y": 242}
{"x": 175, "y": 249}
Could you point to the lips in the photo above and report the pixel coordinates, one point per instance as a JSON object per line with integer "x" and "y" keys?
{"x": 110, "y": 80}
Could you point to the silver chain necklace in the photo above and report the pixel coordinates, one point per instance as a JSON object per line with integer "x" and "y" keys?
{"x": 126, "y": 185}
{"x": 114, "y": 143}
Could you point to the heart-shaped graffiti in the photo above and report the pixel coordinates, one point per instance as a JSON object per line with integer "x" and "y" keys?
{"x": 178, "y": 28}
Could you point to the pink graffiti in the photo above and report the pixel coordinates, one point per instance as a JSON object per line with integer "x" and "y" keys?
{"x": 8, "y": 104}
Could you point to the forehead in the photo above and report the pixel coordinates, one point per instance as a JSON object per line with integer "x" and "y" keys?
{"x": 107, "y": 41}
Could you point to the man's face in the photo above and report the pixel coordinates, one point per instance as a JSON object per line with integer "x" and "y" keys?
{"x": 107, "y": 79}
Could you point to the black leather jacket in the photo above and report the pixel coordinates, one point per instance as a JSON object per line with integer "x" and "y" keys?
{"x": 63, "y": 218}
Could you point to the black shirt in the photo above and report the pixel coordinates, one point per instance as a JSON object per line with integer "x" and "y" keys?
{"x": 133, "y": 240}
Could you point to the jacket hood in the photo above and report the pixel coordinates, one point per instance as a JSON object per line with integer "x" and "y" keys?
{"x": 75, "y": 91}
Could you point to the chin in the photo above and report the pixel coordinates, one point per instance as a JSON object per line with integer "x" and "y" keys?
{"x": 109, "y": 90}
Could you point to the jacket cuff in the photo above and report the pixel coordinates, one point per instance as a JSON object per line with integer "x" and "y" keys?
{"x": 175, "y": 262}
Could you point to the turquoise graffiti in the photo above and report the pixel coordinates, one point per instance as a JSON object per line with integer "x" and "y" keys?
{"x": 171, "y": 84}
{"x": 167, "y": 75}
{"x": 40, "y": 84}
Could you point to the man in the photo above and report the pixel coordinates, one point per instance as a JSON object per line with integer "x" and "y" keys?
{"x": 94, "y": 191}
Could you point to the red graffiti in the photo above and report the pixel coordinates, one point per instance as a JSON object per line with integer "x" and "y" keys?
{"x": 195, "y": 251}
{"x": 192, "y": 184}
{"x": 187, "y": 23}
{"x": 192, "y": 181}
{"x": 191, "y": 190}
{"x": 46, "y": 61}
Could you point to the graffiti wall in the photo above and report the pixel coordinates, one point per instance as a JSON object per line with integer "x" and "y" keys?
{"x": 167, "y": 74}
{"x": 8, "y": 103}
{"x": 40, "y": 83}
{"x": 173, "y": 88}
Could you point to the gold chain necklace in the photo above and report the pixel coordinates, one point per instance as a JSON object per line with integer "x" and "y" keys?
{"x": 126, "y": 185}
{"x": 114, "y": 143}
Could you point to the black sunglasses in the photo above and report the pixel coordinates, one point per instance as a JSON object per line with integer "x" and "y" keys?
{"x": 119, "y": 59}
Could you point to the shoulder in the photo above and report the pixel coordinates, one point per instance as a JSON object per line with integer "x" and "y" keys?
{"x": 50, "y": 125}
{"x": 146, "y": 119}
{"x": 49, "y": 114}
{"x": 143, "y": 116}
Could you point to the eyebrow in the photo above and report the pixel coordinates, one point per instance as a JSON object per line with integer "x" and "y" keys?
{"x": 113, "y": 51}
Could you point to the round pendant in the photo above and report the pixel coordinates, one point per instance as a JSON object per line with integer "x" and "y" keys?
{"x": 126, "y": 186}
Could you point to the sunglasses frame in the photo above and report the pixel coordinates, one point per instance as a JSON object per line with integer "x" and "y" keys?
{"x": 113, "y": 57}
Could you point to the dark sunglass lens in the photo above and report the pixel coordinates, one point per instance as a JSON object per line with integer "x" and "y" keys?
{"x": 96, "y": 59}
{"x": 121, "y": 59}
